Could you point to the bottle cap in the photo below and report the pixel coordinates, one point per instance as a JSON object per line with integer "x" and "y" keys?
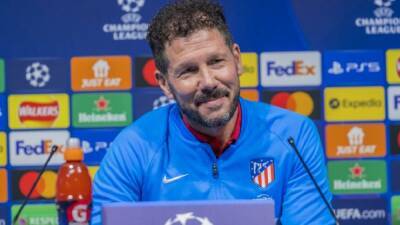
{"x": 73, "y": 151}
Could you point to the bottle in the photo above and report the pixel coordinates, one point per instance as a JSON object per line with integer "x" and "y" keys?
{"x": 74, "y": 187}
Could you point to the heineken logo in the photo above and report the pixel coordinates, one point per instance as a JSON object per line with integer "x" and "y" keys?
{"x": 99, "y": 110}
{"x": 357, "y": 177}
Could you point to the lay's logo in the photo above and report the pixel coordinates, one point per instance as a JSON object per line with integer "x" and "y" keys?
{"x": 38, "y": 111}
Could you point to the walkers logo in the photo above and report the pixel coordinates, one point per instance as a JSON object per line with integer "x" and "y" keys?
{"x": 357, "y": 177}
{"x": 3, "y": 149}
{"x": 395, "y": 139}
{"x": 101, "y": 73}
{"x": 145, "y": 72}
{"x": 32, "y": 148}
{"x": 290, "y": 69}
{"x": 394, "y": 102}
{"x": 37, "y": 214}
{"x": 304, "y": 102}
{"x": 355, "y": 140}
{"x": 354, "y": 103}
{"x": 3, "y": 109}
{"x": 37, "y": 75}
{"x": 249, "y": 77}
{"x": 131, "y": 27}
{"x": 95, "y": 143}
{"x": 384, "y": 21}
{"x": 395, "y": 167}
{"x": 354, "y": 67}
{"x": 393, "y": 66}
{"x": 249, "y": 94}
{"x": 2, "y": 75}
{"x": 3, "y": 186}
{"x": 38, "y": 111}
{"x": 395, "y": 210}
{"x": 22, "y": 182}
{"x": 101, "y": 110}
{"x": 363, "y": 211}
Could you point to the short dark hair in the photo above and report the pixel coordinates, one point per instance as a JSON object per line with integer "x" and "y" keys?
{"x": 180, "y": 19}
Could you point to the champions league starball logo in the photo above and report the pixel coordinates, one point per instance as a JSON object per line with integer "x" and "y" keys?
{"x": 384, "y": 22}
{"x": 188, "y": 219}
{"x": 131, "y": 27}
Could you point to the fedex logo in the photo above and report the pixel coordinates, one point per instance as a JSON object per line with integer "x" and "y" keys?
{"x": 43, "y": 148}
{"x": 297, "y": 67}
{"x": 31, "y": 148}
{"x": 290, "y": 69}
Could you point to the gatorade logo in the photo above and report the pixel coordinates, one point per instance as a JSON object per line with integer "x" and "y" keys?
{"x": 32, "y": 148}
{"x": 79, "y": 212}
{"x": 145, "y": 72}
{"x": 393, "y": 66}
{"x": 302, "y": 102}
{"x": 22, "y": 182}
{"x": 101, "y": 73}
{"x": 38, "y": 111}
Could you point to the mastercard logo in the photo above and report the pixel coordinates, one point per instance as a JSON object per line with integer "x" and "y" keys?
{"x": 395, "y": 139}
{"x": 302, "y": 102}
{"x": 145, "y": 72}
{"x": 24, "y": 180}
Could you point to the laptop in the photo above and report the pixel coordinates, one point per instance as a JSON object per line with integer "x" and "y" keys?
{"x": 233, "y": 212}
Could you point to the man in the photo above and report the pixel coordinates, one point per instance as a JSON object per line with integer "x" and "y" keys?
{"x": 211, "y": 144}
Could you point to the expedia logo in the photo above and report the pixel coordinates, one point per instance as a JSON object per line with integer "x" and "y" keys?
{"x": 32, "y": 148}
{"x": 303, "y": 102}
{"x": 290, "y": 69}
{"x": 365, "y": 211}
{"x": 33, "y": 111}
{"x": 354, "y": 103}
{"x": 145, "y": 72}
{"x": 22, "y": 181}
{"x": 38, "y": 111}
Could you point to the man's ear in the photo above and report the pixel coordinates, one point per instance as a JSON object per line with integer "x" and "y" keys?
{"x": 162, "y": 81}
{"x": 238, "y": 60}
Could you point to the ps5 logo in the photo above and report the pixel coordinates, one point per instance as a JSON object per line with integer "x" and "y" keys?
{"x": 338, "y": 68}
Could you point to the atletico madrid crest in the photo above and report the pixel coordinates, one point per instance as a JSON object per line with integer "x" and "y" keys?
{"x": 262, "y": 171}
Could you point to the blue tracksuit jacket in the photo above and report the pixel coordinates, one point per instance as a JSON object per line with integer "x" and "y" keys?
{"x": 157, "y": 158}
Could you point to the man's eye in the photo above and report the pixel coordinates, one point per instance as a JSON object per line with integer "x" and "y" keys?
{"x": 188, "y": 70}
{"x": 216, "y": 61}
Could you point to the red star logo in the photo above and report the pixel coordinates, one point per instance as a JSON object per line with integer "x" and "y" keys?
{"x": 101, "y": 104}
{"x": 357, "y": 171}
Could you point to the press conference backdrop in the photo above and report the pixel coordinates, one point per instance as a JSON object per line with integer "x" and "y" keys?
{"x": 83, "y": 68}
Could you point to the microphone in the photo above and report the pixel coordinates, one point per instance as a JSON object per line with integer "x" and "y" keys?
{"x": 54, "y": 149}
{"x": 290, "y": 140}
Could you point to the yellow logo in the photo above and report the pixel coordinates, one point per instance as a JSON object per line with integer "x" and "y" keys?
{"x": 3, "y": 149}
{"x": 249, "y": 77}
{"x": 38, "y": 111}
{"x": 393, "y": 66}
{"x": 354, "y": 103}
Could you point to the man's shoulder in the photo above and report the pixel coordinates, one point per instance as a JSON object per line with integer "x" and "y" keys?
{"x": 151, "y": 128}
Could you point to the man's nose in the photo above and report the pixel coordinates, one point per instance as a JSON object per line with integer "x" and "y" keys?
{"x": 207, "y": 79}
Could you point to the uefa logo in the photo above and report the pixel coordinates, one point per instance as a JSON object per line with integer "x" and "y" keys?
{"x": 188, "y": 218}
{"x": 37, "y": 74}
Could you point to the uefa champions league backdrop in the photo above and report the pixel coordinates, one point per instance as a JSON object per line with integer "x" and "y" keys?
{"x": 83, "y": 68}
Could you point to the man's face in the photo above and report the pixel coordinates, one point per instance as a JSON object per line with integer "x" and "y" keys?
{"x": 203, "y": 77}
